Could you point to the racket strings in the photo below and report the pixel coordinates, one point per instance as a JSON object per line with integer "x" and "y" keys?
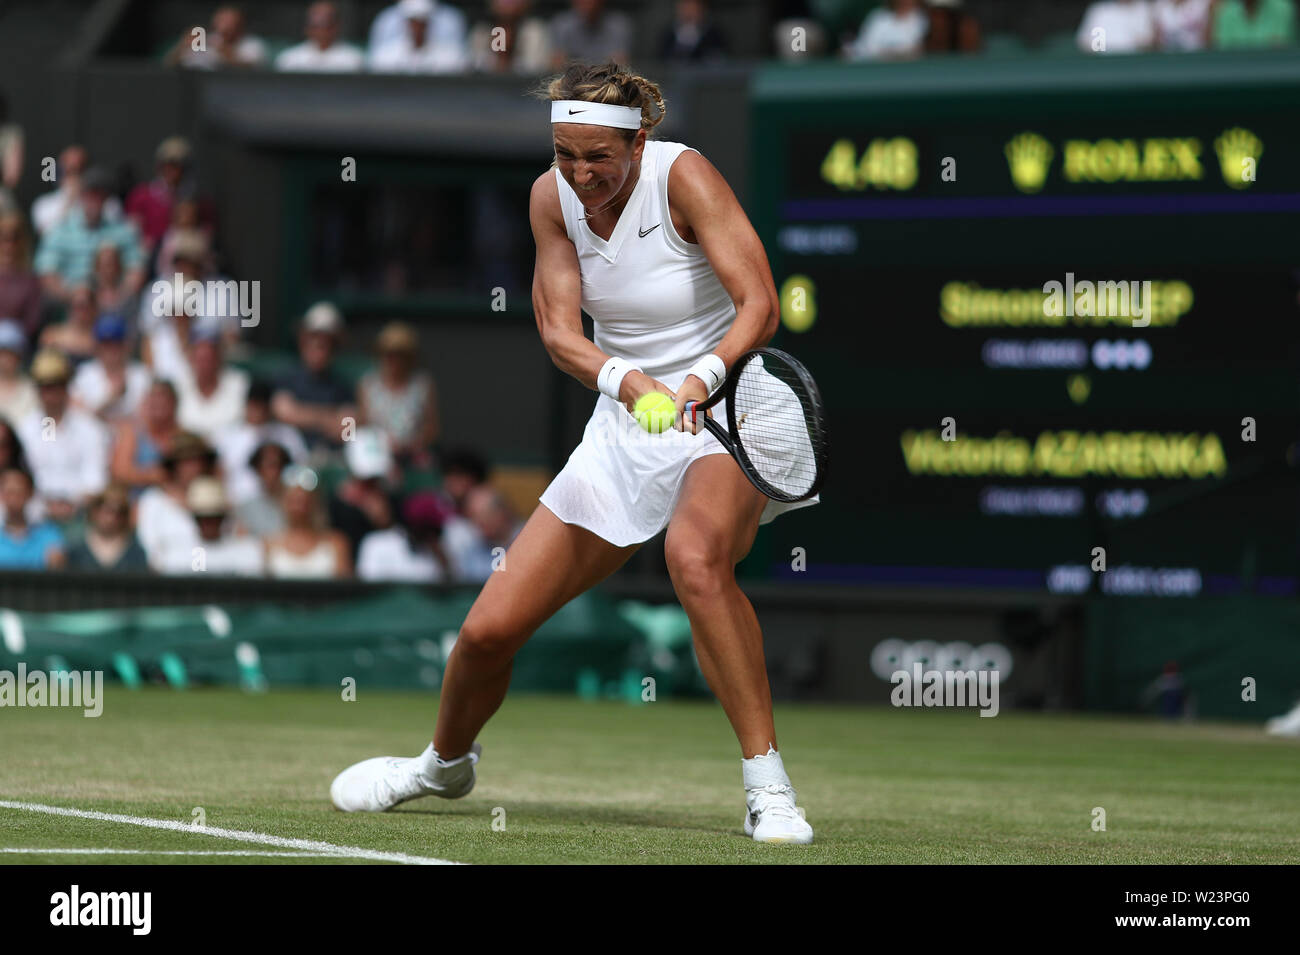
{"x": 777, "y": 425}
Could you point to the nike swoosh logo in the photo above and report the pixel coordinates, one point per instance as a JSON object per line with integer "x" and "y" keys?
{"x": 649, "y": 230}
{"x": 573, "y": 111}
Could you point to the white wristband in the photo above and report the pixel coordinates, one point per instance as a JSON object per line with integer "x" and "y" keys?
{"x": 611, "y": 375}
{"x": 711, "y": 370}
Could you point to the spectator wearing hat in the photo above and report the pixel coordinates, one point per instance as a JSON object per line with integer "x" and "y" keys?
{"x": 111, "y": 385}
{"x": 109, "y": 544}
{"x": 212, "y": 393}
{"x": 50, "y": 210}
{"x": 142, "y": 440}
{"x": 149, "y": 205}
{"x": 322, "y": 51}
{"x": 363, "y": 502}
{"x": 412, "y": 550}
{"x": 306, "y": 549}
{"x": 25, "y": 546}
{"x": 66, "y": 447}
{"x": 75, "y": 335}
{"x": 166, "y": 527}
{"x": 20, "y": 289}
{"x": 418, "y": 48}
{"x": 399, "y": 400}
{"x": 312, "y": 397}
{"x": 237, "y": 445}
{"x": 447, "y": 26}
{"x": 66, "y": 256}
{"x": 217, "y": 552}
{"x": 261, "y": 513}
{"x": 18, "y": 397}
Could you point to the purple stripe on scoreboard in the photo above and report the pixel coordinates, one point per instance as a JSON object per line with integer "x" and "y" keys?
{"x": 1005, "y": 578}
{"x": 929, "y": 576}
{"x": 1018, "y": 207}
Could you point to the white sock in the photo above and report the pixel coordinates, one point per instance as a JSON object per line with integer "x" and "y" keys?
{"x": 431, "y": 764}
{"x": 767, "y": 770}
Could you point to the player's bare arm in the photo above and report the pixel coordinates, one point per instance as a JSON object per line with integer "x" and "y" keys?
{"x": 711, "y": 216}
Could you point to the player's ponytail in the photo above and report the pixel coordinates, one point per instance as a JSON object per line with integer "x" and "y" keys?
{"x": 609, "y": 83}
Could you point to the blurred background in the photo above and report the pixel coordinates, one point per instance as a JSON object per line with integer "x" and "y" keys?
{"x": 296, "y": 475}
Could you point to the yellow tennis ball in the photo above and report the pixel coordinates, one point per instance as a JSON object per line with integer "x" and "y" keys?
{"x": 655, "y": 412}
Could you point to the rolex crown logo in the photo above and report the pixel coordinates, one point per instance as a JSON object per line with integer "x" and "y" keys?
{"x": 1239, "y": 151}
{"x": 1029, "y": 156}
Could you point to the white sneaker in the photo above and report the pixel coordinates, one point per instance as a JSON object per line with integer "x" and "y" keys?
{"x": 379, "y": 784}
{"x": 773, "y": 816}
{"x": 1288, "y": 724}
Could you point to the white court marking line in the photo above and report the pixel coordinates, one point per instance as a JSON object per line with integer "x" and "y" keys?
{"x": 239, "y": 835}
{"x": 168, "y": 852}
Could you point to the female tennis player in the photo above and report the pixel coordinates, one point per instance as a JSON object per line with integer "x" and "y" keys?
{"x": 648, "y": 238}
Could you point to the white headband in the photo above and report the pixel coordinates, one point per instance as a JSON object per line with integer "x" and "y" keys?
{"x": 595, "y": 114}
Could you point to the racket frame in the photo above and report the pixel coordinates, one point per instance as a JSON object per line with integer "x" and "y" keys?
{"x": 812, "y": 410}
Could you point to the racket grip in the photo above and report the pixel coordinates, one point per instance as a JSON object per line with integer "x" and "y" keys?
{"x": 688, "y": 411}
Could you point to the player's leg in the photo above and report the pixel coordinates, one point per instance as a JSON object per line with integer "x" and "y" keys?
{"x": 710, "y": 532}
{"x": 548, "y": 564}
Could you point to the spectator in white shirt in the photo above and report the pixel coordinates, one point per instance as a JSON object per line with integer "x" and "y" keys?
{"x": 446, "y": 26}
{"x": 66, "y": 448}
{"x": 321, "y": 52}
{"x": 895, "y": 32}
{"x": 1117, "y": 26}
{"x": 217, "y": 552}
{"x": 111, "y": 385}
{"x": 164, "y": 524}
{"x": 418, "y": 49}
{"x": 50, "y": 209}
{"x": 211, "y": 393}
{"x": 168, "y": 321}
{"x": 411, "y": 551}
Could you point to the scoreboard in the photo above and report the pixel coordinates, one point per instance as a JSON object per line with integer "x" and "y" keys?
{"x": 1053, "y": 310}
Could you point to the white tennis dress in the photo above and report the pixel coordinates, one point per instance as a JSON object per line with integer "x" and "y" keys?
{"x": 655, "y": 301}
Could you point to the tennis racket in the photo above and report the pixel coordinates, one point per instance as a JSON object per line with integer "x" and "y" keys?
{"x": 776, "y": 429}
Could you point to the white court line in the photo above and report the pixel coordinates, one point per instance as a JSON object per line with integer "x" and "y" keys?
{"x": 167, "y": 852}
{"x": 239, "y": 835}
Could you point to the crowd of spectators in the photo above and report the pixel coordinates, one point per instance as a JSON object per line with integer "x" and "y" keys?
{"x": 1135, "y": 26}
{"x": 906, "y": 29}
{"x": 131, "y": 439}
{"x": 433, "y": 36}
